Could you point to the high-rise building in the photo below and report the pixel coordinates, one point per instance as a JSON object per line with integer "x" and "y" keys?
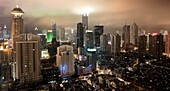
{"x": 85, "y": 21}
{"x": 142, "y": 46}
{"x": 126, "y": 36}
{"x": 54, "y": 30}
{"x": 98, "y": 31}
{"x": 27, "y": 58}
{"x": 115, "y": 43}
{"x": 5, "y": 59}
{"x": 1, "y": 34}
{"x": 106, "y": 43}
{"x": 17, "y": 22}
{"x": 65, "y": 60}
{"x": 80, "y": 35}
{"x": 89, "y": 39}
{"x": 167, "y": 44}
{"x": 61, "y": 33}
{"x": 42, "y": 40}
{"x": 134, "y": 34}
{"x": 142, "y": 43}
{"x": 156, "y": 45}
{"x": 49, "y": 36}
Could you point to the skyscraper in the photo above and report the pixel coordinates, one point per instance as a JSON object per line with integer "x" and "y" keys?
{"x": 167, "y": 44}
{"x": 5, "y": 33}
{"x": 142, "y": 45}
{"x": 17, "y": 22}
{"x": 98, "y": 31}
{"x": 126, "y": 36}
{"x": 65, "y": 60}
{"x": 115, "y": 43}
{"x": 156, "y": 45}
{"x": 105, "y": 43}
{"x": 27, "y": 58}
{"x": 61, "y": 33}
{"x": 89, "y": 40}
{"x": 54, "y": 30}
{"x": 85, "y": 21}
{"x": 134, "y": 34}
{"x": 80, "y": 35}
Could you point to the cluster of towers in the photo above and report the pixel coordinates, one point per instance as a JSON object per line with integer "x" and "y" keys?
{"x": 21, "y": 52}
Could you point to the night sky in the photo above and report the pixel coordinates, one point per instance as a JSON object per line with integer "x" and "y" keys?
{"x": 151, "y": 15}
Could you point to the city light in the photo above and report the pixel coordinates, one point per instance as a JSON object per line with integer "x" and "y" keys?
{"x": 84, "y": 10}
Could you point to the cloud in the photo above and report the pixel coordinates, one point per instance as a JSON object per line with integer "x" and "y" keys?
{"x": 112, "y": 13}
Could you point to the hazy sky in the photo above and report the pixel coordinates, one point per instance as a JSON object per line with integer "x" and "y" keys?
{"x": 151, "y": 15}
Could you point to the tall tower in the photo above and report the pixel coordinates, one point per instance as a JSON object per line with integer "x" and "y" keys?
{"x": 80, "y": 35}
{"x": 54, "y": 30}
{"x": 5, "y": 33}
{"x": 126, "y": 35}
{"x": 27, "y": 58}
{"x": 115, "y": 43}
{"x": 17, "y": 22}
{"x": 65, "y": 60}
{"x": 89, "y": 41}
{"x": 98, "y": 31}
{"x": 85, "y": 21}
{"x": 134, "y": 34}
{"x": 105, "y": 43}
{"x": 61, "y": 33}
{"x": 156, "y": 45}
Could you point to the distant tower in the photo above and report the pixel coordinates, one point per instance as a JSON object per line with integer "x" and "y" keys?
{"x": 142, "y": 46}
{"x": 98, "y": 31}
{"x": 126, "y": 36}
{"x": 1, "y": 34}
{"x": 156, "y": 45}
{"x": 105, "y": 43}
{"x": 17, "y": 22}
{"x": 80, "y": 35}
{"x": 65, "y": 60}
{"x": 115, "y": 43}
{"x": 134, "y": 34}
{"x": 5, "y": 33}
{"x": 89, "y": 41}
{"x": 62, "y": 33}
{"x": 85, "y": 21}
{"x": 54, "y": 30}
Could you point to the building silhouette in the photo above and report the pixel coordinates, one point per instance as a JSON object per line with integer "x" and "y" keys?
{"x": 156, "y": 45}
{"x": 80, "y": 35}
{"x": 134, "y": 34}
{"x": 126, "y": 36}
{"x": 85, "y": 21}
{"x": 98, "y": 31}
{"x": 142, "y": 46}
{"x": 105, "y": 43}
{"x": 115, "y": 43}
{"x": 89, "y": 39}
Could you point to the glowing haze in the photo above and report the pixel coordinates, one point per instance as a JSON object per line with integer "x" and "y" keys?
{"x": 151, "y": 15}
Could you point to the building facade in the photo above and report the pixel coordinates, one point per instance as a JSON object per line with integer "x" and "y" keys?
{"x": 134, "y": 34}
{"x": 27, "y": 58}
{"x": 126, "y": 36}
{"x": 80, "y": 35}
{"x": 17, "y": 22}
{"x": 98, "y": 31}
{"x": 65, "y": 60}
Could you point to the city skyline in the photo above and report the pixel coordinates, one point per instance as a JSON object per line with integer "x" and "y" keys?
{"x": 151, "y": 15}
